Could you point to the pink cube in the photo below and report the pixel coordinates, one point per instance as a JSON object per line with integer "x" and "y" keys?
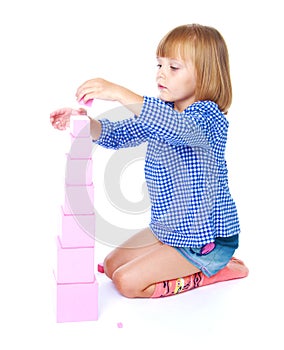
{"x": 78, "y": 171}
{"x": 77, "y": 230}
{"x": 79, "y": 200}
{"x": 77, "y": 302}
{"x": 80, "y": 126}
{"x": 88, "y": 103}
{"x": 74, "y": 265}
{"x": 81, "y": 147}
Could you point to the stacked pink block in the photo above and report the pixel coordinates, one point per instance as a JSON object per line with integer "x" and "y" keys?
{"x": 76, "y": 285}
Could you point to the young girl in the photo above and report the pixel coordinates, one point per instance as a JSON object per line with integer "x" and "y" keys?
{"x": 194, "y": 226}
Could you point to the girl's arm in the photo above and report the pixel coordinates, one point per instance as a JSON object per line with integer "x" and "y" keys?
{"x": 95, "y": 129}
{"x": 60, "y": 119}
{"x": 104, "y": 90}
{"x": 100, "y": 89}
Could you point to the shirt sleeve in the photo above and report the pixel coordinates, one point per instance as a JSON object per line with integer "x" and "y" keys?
{"x": 121, "y": 134}
{"x": 161, "y": 120}
{"x": 201, "y": 124}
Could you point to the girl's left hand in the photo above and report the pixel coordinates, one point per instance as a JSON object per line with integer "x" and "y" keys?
{"x": 60, "y": 119}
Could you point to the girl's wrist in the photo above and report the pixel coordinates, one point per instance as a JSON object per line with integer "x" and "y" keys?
{"x": 130, "y": 100}
{"x": 95, "y": 128}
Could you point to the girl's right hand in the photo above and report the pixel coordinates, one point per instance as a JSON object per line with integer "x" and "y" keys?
{"x": 60, "y": 119}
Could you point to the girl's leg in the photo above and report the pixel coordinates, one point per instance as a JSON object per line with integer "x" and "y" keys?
{"x": 138, "y": 245}
{"x": 144, "y": 267}
{"x": 234, "y": 269}
{"x": 138, "y": 274}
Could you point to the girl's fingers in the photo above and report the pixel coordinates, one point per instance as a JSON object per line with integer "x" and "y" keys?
{"x": 82, "y": 111}
{"x": 85, "y": 89}
{"x": 60, "y": 119}
{"x": 79, "y": 93}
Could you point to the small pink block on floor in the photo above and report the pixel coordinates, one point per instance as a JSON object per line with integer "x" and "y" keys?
{"x": 120, "y": 325}
{"x": 80, "y": 126}
{"x": 77, "y": 302}
{"x": 101, "y": 268}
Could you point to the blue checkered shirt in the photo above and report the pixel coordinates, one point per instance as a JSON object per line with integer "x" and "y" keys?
{"x": 185, "y": 169}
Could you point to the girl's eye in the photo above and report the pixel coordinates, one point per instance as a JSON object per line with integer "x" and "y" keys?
{"x": 174, "y": 68}
{"x": 159, "y": 66}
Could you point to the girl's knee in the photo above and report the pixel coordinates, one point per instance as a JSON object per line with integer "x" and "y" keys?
{"x": 109, "y": 266}
{"x": 124, "y": 283}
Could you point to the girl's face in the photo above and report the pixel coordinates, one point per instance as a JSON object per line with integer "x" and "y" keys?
{"x": 176, "y": 81}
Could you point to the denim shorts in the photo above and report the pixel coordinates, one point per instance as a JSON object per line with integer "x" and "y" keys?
{"x": 213, "y": 256}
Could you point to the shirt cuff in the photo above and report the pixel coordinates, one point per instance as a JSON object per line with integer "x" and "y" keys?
{"x": 106, "y": 129}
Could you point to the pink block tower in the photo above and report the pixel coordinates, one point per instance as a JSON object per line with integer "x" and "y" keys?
{"x": 76, "y": 285}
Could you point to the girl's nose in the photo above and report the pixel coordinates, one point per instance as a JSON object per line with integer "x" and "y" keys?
{"x": 161, "y": 73}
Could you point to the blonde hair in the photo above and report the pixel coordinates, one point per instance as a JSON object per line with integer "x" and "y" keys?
{"x": 207, "y": 49}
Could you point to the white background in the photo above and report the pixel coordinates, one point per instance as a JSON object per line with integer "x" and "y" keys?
{"x": 48, "y": 48}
